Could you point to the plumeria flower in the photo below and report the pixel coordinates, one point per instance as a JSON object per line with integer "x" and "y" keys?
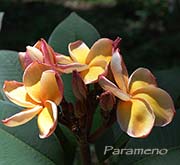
{"x": 95, "y": 59}
{"x": 141, "y": 104}
{"x": 39, "y": 93}
{"x": 44, "y": 53}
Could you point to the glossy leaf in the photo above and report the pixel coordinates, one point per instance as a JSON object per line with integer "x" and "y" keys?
{"x": 160, "y": 137}
{"x": 10, "y": 68}
{"x": 172, "y": 157}
{"x": 71, "y": 29}
{"x": 25, "y": 139}
{"x": 169, "y": 80}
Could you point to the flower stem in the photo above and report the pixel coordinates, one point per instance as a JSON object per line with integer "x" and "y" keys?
{"x": 85, "y": 152}
{"x": 107, "y": 123}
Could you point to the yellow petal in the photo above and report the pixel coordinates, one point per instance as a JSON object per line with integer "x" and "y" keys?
{"x": 109, "y": 86}
{"x": 135, "y": 117}
{"x": 102, "y": 47}
{"x": 91, "y": 75}
{"x": 31, "y": 79}
{"x": 47, "y": 119}
{"x": 22, "y": 117}
{"x": 140, "y": 78}
{"x": 62, "y": 59}
{"x": 69, "y": 68}
{"x": 16, "y": 92}
{"x": 160, "y": 102}
{"x": 78, "y": 51}
{"x": 51, "y": 87}
{"x": 119, "y": 71}
{"x": 100, "y": 61}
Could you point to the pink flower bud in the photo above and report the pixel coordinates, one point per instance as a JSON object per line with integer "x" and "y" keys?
{"x": 78, "y": 86}
{"x": 107, "y": 101}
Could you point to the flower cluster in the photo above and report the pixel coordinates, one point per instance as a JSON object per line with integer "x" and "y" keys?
{"x": 138, "y": 102}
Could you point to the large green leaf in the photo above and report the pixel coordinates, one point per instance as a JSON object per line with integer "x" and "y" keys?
{"x": 160, "y": 137}
{"x": 171, "y": 158}
{"x": 1, "y": 17}
{"x": 28, "y": 136}
{"x": 10, "y": 68}
{"x": 71, "y": 29}
{"x": 169, "y": 80}
{"x": 113, "y": 136}
{"x": 15, "y": 152}
{"x": 68, "y": 143}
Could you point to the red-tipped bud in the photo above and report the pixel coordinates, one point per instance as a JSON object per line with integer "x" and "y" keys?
{"x": 48, "y": 53}
{"x": 78, "y": 86}
{"x": 116, "y": 43}
{"x": 107, "y": 101}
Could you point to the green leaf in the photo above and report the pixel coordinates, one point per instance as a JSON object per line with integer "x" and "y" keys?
{"x": 10, "y": 68}
{"x": 169, "y": 80}
{"x": 14, "y": 151}
{"x": 71, "y": 29}
{"x": 68, "y": 143}
{"x": 119, "y": 141}
{"x": 113, "y": 136}
{"x": 160, "y": 137}
{"x": 1, "y": 18}
{"x": 107, "y": 139}
{"x": 26, "y": 138}
{"x": 171, "y": 158}
{"x": 97, "y": 119}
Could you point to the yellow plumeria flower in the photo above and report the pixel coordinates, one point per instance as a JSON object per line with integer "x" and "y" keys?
{"x": 94, "y": 61}
{"x": 39, "y": 93}
{"x": 141, "y": 104}
{"x": 44, "y": 53}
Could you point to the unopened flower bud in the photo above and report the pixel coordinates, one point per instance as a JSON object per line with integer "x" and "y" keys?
{"x": 107, "y": 101}
{"x": 78, "y": 86}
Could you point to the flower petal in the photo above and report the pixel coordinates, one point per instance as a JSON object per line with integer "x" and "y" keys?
{"x": 91, "y": 75}
{"x": 101, "y": 47}
{"x": 16, "y": 92}
{"x": 161, "y": 103}
{"x": 51, "y": 87}
{"x": 24, "y": 59}
{"x": 48, "y": 52}
{"x": 100, "y": 61}
{"x": 47, "y": 119}
{"x": 119, "y": 70}
{"x": 135, "y": 117}
{"x": 34, "y": 53}
{"x": 31, "y": 79}
{"x": 22, "y": 117}
{"x": 78, "y": 51}
{"x": 109, "y": 86}
{"x": 62, "y": 59}
{"x": 69, "y": 68}
{"x": 140, "y": 78}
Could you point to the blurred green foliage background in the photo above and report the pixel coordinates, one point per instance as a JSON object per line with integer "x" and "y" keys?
{"x": 150, "y": 29}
